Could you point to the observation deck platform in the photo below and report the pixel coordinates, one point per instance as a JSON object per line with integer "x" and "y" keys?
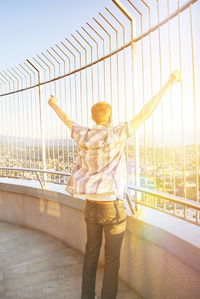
{"x": 34, "y": 265}
{"x": 43, "y": 237}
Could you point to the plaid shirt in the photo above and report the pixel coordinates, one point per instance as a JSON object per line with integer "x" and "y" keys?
{"x": 101, "y": 163}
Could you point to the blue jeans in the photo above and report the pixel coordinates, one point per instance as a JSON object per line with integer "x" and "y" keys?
{"x": 110, "y": 218}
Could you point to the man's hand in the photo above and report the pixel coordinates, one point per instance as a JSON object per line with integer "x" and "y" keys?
{"x": 61, "y": 114}
{"x": 174, "y": 77}
{"x": 53, "y": 102}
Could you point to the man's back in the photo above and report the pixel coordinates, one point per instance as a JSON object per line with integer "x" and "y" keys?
{"x": 100, "y": 166}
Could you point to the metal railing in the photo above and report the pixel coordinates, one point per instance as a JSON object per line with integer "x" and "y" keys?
{"x": 42, "y": 180}
{"x": 170, "y": 204}
{"x": 122, "y": 56}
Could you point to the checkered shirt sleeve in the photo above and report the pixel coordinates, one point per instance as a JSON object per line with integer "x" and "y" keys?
{"x": 77, "y": 130}
{"x": 123, "y": 131}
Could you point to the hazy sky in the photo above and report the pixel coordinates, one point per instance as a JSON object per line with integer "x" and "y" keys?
{"x": 28, "y": 27}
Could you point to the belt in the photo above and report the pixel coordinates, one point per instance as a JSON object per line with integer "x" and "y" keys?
{"x": 98, "y": 201}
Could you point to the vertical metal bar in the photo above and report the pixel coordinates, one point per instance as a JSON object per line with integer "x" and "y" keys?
{"x": 133, "y": 71}
{"x": 27, "y": 114}
{"x": 60, "y": 96}
{"x": 86, "y": 60}
{"x": 98, "y": 80}
{"x": 75, "y": 86}
{"x": 151, "y": 92}
{"x": 47, "y": 139}
{"x": 194, "y": 104}
{"x": 10, "y": 126}
{"x": 171, "y": 113}
{"x": 31, "y": 104}
{"x": 136, "y": 135}
{"x": 182, "y": 108}
{"x": 125, "y": 87}
{"x": 35, "y": 98}
{"x": 124, "y": 60}
{"x": 23, "y": 106}
{"x": 91, "y": 58}
{"x": 70, "y": 96}
{"x": 2, "y": 148}
{"x": 50, "y": 149}
{"x": 92, "y": 69}
{"x": 4, "y": 115}
{"x": 110, "y": 49}
{"x": 75, "y": 91}
{"x": 151, "y": 86}
{"x": 41, "y": 121}
{"x": 54, "y": 73}
{"x": 85, "y": 74}
{"x": 117, "y": 59}
{"x": 58, "y": 155}
{"x": 162, "y": 113}
{"x": 142, "y": 60}
{"x": 80, "y": 81}
{"x": 8, "y": 145}
{"x": 195, "y": 111}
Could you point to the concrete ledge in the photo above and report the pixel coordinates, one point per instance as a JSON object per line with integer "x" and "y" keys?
{"x": 159, "y": 251}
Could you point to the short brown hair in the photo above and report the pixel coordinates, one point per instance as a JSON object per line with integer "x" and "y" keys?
{"x": 101, "y": 112}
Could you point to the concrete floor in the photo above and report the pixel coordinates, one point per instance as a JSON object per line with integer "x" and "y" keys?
{"x": 36, "y": 265}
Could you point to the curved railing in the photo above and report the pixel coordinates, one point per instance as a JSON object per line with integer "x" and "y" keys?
{"x": 124, "y": 56}
{"x": 167, "y": 205}
{"x": 134, "y": 40}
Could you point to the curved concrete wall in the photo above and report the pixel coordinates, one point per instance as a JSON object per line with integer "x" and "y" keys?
{"x": 160, "y": 254}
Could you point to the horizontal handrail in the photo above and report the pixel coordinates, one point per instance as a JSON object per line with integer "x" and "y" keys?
{"x": 165, "y": 196}
{"x": 36, "y": 171}
{"x": 177, "y": 199}
{"x": 171, "y": 197}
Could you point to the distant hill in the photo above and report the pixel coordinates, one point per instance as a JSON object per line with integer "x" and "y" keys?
{"x": 189, "y": 139}
{"x": 36, "y": 141}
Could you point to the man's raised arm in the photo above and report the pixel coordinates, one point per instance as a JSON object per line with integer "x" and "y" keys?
{"x": 150, "y": 106}
{"x": 61, "y": 114}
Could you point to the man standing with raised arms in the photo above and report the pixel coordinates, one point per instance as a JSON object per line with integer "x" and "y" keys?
{"x": 99, "y": 176}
